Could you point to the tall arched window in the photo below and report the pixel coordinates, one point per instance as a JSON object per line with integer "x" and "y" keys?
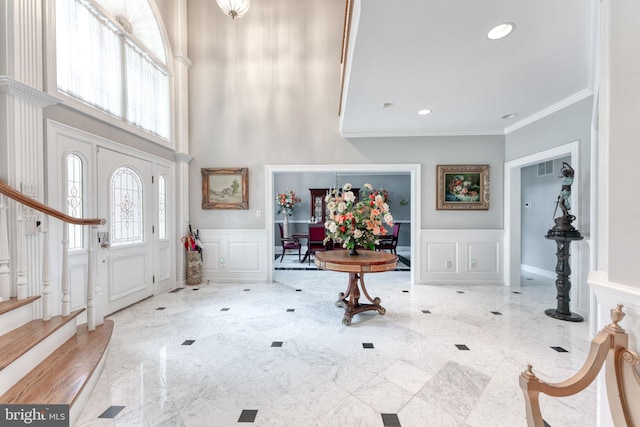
{"x": 162, "y": 207}
{"x": 127, "y": 221}
{"x": 110, "y": 54}
{"x": 75, "y": 199}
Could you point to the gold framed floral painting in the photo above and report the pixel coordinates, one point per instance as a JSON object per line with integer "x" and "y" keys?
{"x": 225, "y": 188}
{"x": 462, "y": 187}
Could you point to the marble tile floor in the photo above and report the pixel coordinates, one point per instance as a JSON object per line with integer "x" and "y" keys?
{"x": 278, "y": 355}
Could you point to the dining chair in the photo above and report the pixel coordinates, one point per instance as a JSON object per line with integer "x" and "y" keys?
{"x": 291, "y": 243}
{"x": 389, "y": 242}
{"x": 316, "y": 240}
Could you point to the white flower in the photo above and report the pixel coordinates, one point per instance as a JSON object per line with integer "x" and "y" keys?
{"x": 357, "y": 233}
{"x": 349, "y": 196}
{"x": 333, "y": 227}
{"x": 331, "y": 206}
{"x": 342, "y": 206}
{"x": 346, "y": 186}
{"x": 368, "y": 186}
{"x": 388, "y": 219}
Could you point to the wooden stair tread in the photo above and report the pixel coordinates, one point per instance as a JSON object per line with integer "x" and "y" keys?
{"x": 59, "y": 379}
{"x": 19, "y": 341}
{"x": 13, "y": 303}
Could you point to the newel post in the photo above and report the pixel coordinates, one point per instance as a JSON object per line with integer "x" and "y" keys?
{"x": 64, "y": 282}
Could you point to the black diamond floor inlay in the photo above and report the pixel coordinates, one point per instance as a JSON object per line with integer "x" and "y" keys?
{"x": 367, "y": 345}
{"x": 390, "y": 420}
{"x": 111, "y": 412}
{"x": 516, "y": 292}
{"x": 405, "y": 290}
{"x": 426, "y": 311}
{"x": 225, "y": 309}
{"x": 195, "y": 289}
{"x": 276, "y": 344}
{"x": 462, "y": 347}
{"x": 497, "y": 313}
{"x": 248, "y": 416}
{"x": 560, "y": 349}
{"x": 176, "y": 290}
{"x": 461, "y": 292}
{"x": 161, "y": 308}
{"x": 298, "y": 290}
{"x": 290, "y": 310}
{"x": 246, "y": 290}
{"x": 188, "y": 342}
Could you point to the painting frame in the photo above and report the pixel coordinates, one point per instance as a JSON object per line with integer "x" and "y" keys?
{"x": 225, "y": 188}
{"x": 469, "y": 191}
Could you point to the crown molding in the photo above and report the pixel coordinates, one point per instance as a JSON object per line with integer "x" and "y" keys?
{"x": 183, "y": 158}
{"x": 15, "y": 88}
{"x": 576, "y": 97}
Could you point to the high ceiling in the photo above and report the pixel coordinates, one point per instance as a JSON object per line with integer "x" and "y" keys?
{"x": 435, "y": 54}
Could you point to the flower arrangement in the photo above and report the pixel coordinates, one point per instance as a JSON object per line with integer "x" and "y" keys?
{"x": 461, "y": 188}
{"x": 286, "y": 202}
{"x": 357, "y": 224}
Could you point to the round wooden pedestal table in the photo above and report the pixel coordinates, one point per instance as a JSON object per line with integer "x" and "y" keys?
{"x": 356, "y": 265}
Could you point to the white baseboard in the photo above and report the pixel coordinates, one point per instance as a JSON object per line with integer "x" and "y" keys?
{"x": 539, "y": 271}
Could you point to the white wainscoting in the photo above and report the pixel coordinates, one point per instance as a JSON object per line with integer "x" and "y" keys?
{"x": 234, "y": 255}
{"x": 461, "y": 256}
{"x": 607, "y": 295}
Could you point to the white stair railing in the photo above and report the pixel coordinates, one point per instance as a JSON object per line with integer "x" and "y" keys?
{"x": 21, "y": 256}
{"x": 46, "y": 271}
{"x": 5, "y": 271}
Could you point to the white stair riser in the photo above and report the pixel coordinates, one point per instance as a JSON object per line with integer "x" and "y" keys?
{"x": 25, "y": 363}
{"x": 15, "y": 318}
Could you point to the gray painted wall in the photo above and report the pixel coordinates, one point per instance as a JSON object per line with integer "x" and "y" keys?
{"x": 570, "y": 124}
{"x": 264, "y": 90}
{"x": 398, "y": 186}
{"x": 540, "y": 193}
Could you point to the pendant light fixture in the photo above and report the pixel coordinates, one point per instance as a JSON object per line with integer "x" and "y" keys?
{"x": 234, "y": 8}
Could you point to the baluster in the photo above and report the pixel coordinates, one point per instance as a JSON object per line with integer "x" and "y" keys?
{"x": 5, "y": 271}
{"x": 21, "y": 254}
{"x": 46, "y": 271}
{"x": 91, "y": 303}
{"x": 64, "y": 283}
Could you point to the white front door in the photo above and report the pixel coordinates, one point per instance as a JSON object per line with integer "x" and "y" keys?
{"x": 126, "y": 199}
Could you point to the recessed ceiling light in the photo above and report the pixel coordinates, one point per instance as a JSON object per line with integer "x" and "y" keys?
{"x": 510, "y": 116}
{"x": 424, "y": 112}
{"x": 500, "y": 31}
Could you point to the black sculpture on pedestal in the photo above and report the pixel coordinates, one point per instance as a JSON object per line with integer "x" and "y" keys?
{"x": 564, "y": 233}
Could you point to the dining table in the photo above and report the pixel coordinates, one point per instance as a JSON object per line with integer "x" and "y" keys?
{"x": 356, "y": 265}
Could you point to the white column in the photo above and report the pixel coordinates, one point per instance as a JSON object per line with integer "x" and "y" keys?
{"x": 177, "y": 27}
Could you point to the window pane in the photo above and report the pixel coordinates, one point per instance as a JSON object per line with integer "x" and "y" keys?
{"x": 75, "y": 191}
{"x": 162, "y": 207}
{"x": 89, "y": 60}
{"x": 126, "y": 207}
{"x": 147, "y": 93}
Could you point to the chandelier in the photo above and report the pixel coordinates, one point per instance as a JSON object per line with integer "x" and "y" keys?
{"x": 234, "y": 8}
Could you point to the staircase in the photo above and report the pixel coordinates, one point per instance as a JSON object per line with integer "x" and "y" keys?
{"x": 44, "y": 358}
